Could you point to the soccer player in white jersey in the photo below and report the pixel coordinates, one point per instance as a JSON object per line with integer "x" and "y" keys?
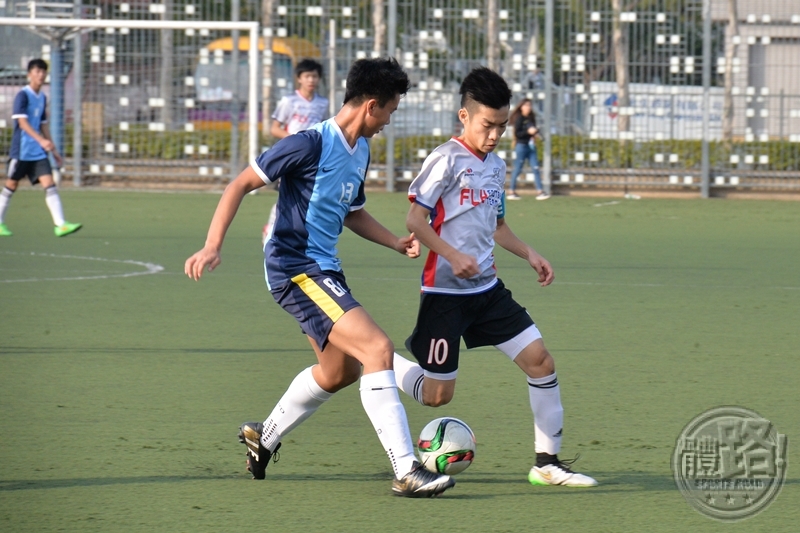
{"x": 322, "y": 172}
{"x": 461, "y": 190}
{"x": 30, "y": 144}
{"x": 297, "y": 112}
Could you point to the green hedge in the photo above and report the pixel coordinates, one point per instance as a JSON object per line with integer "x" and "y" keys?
{"x": 783, "y": 155}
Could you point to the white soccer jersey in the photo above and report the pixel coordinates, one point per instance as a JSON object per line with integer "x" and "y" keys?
{"x": 466, "y": 197}
{"x": 298, "y": 114}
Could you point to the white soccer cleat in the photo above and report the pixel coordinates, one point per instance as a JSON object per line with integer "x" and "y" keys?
{"x": 559, "y": 474}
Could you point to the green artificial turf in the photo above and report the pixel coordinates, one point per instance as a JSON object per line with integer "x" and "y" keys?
{"x": 121, "y": 396}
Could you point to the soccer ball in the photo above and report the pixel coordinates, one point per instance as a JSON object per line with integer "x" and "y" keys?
{"x": 446, "y": 446}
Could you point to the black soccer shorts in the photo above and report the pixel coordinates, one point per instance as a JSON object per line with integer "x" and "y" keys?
{"x": 486, "y": 319}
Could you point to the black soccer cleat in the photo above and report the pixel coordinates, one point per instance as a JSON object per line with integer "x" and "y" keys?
{"x": 258, "y": 457}
{"x": 421, "y": 483}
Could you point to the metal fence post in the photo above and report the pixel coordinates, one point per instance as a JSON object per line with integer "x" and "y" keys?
{"x": 391, "y": 45}
{"x": 77, "y": 111}
{"x": 234, "y": 159}
{"x": 705, "y": 164}
{"x": 547, "y": 164}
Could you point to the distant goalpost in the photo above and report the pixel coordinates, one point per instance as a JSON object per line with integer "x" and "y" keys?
{"x": 65, "y": 25}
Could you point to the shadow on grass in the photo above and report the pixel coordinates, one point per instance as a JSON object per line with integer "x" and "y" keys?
{"x": 609, "y": 482}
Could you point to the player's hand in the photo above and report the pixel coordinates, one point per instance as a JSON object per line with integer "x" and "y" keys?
{"x": 205, "y": 258}
{"x": 542, "y": 267}
{"x": 47, "y": 145}
{"x": 408, "y": 246}
{"x": 58, "y": 158}
{"x": 464, "y": 266}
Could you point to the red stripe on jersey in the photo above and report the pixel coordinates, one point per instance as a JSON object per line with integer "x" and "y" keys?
{"x": 429, "y": 272}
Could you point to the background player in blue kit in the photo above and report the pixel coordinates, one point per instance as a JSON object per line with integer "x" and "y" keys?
{"x": 461, "y": 189}
{"x": 30, "y": 144}
{"x": 322, "y": 172}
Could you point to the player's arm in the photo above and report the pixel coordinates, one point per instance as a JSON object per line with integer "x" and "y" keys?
{"x": 48, "y": 138}
{"x": 464, "y": 266}
{"x": 209, "y": 256}
{"x": 43, "y": 141}
{"x": 506, "y": 239}
{"x": 365, "y": 226}
{"x": 277, "y": 130}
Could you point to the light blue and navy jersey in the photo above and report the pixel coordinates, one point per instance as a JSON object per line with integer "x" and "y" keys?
{"x": 33, "y": 107}
{"x": 322, "y": 180}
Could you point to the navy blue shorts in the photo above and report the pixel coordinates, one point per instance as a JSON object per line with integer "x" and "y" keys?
{"x": 317, "y": 300}
{"x": 33, "y": 170}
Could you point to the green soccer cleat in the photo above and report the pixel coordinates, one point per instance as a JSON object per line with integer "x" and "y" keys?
{"x": 4, "y": 231}
{"x": 66, "y": 228}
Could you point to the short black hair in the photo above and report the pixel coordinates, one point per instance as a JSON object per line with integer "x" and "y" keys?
{"x": 485, "y": 87}
{"x": 381, "y": 78}
{"x": 308, "y": 65}
{"x": 37, "y": 63}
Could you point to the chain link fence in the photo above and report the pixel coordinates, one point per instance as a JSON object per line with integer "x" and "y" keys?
{"x": 684, "y": 95}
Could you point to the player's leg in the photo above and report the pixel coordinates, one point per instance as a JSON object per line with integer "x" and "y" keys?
{"x": 435, "y": 344}
{"x": 520, "y": 153}
{"x": 537, "y": 176}
{"x": 15, "y": 170}
{"x": 42, "y": 173}
{"x": 308, "y": 391}
{"x": 358, "y": 335}
{"x": 507, "y": 325}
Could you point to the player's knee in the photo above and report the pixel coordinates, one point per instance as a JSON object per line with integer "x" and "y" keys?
{"x": 383, "y": 352}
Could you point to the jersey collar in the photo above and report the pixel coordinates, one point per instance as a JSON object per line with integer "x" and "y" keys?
{"x": 470, "y": 150}
{"x": 350, "y": 150}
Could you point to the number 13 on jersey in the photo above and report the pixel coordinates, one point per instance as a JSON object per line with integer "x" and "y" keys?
{"x": 347, "y": 192}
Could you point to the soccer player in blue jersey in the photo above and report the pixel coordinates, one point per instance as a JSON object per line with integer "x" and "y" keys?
{"x": 322, "y": 172}
{"x": 30, "y": 144}
{"x": 460, "y": 189}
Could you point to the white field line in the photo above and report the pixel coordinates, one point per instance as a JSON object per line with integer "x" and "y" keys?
{"x": 150, "y": 268}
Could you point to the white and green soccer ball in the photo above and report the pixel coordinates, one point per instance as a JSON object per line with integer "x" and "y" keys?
{"x": 446, "y": 446}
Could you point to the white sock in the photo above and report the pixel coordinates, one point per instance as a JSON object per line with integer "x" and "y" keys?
{"x": 409, "y": 377}
{"x": 303, "y": 397}
{"x": 5, "y": 199}
{"x": 548, "y": 415}
{"x": 382, "y": 404}
{"x": 53, "y": 202}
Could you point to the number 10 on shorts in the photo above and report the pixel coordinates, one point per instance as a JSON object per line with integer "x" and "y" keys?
{"x": 438, "y": 352}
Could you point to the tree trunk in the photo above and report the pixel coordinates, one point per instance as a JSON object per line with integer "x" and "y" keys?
{"x": 380, "y": 27}
{"x": 266, "y": 72}
{"x": 620, "y": 41}
{"x": 730, "y": 52}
